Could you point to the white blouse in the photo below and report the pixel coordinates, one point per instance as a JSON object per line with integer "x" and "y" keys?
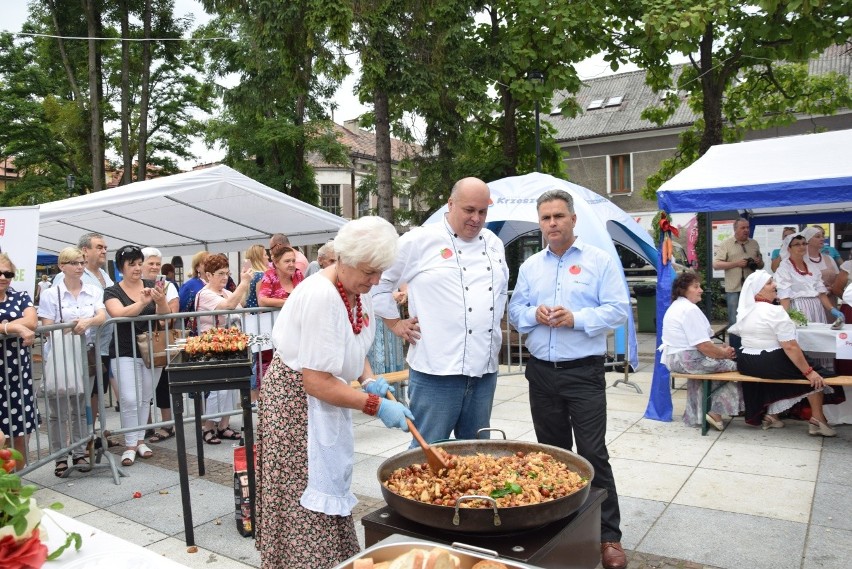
{"x": 791, "y": 284}
{"x": 764, "y": 328}
{"x": 684, "y": 327}
{"x": 313, "y": 331}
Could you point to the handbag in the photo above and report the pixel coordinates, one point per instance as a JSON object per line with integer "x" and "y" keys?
{"x": 92, "y": 358}
{"x": 64, "y": 365}
{"x": 155, "y": 342}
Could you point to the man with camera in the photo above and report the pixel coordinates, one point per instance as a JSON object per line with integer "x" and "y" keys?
{"x": 739, "y": 256}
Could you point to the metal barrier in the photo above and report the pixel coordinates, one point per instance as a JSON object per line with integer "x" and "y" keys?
{"x": 64, "y": 418}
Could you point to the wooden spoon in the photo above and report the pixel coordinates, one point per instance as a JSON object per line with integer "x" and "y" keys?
{"x": 435, "y": 460}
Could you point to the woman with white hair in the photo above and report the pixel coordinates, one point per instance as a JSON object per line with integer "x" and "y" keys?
{"x": 151, "y": 265}
{"x": 770, "y": 351}
{"x": 305, "y": 436}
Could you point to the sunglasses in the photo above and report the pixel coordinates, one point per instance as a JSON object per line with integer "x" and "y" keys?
{"x": 76, "y": 263}
{"x": 8, "y": 274}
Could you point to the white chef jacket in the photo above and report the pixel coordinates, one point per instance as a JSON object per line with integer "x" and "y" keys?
{"x": 457, "y": 289}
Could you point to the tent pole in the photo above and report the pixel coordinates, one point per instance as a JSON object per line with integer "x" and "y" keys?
{"x": 708, "y": 273}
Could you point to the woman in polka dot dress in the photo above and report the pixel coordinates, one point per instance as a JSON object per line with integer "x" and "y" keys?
{"x": 17, "y": 324}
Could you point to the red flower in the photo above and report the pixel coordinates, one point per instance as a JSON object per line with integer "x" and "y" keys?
{"x": 29, "y": 554}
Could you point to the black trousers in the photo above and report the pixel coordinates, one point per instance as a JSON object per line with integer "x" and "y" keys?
{"x": 568, "y": 405}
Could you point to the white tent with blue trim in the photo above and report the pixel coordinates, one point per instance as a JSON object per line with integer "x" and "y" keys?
{"x": 779, "y": 181}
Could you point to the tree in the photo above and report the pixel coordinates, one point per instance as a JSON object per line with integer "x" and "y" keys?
{"x": 723, "y": 40}
{"x": 288, "y": 62}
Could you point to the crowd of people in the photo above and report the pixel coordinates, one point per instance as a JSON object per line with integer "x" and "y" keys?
{"x": 442, "y": 289}
{"x": 806, "y": 282}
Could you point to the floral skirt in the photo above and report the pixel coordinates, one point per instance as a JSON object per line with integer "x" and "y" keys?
{"x": 726, "y": 396}
{"x": 288, "y": 535}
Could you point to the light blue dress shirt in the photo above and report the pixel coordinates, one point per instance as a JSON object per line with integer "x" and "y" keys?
{"x": 586, "y": 281}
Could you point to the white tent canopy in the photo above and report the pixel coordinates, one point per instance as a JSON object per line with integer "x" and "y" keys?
{"x": 217, "y": 209}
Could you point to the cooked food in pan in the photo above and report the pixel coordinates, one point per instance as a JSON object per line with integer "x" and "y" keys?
{"x": 521, "y": 479}
{"x": 437, "y": 558}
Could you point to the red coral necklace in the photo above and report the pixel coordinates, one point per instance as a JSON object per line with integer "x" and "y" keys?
{"x": 806, "y": 272}
{"x": 358, "y": 323}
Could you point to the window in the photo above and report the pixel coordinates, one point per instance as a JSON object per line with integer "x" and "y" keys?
{"x": 596, "y": 104}
{"x": 614, "y": 101}
{"x": 404, "y": 203}
{"x": 330, "y": 198}
{"x": 364, "y": 206}
{"x": 620, "y": 175}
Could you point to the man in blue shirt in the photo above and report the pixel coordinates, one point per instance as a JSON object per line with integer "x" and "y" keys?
{"x": 566, "y": 300}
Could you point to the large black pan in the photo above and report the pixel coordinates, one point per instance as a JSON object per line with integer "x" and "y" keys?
{"x": 480, "y": 520}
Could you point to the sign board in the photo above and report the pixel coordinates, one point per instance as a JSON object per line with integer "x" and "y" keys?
{"x": 19, "y": 240}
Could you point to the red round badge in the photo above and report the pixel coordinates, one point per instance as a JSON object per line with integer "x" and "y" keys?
{"x": 842, "y": 335}
{"x": 446, "y": 253}
{"x": 574, "y": 269}
{"x": 366, "y": 319}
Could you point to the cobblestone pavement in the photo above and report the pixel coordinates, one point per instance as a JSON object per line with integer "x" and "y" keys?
{"x": 222, "y": 473}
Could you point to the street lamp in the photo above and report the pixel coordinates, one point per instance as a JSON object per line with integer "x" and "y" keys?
{"x": 538, "y": 77}
{"x": 69, "y": 182}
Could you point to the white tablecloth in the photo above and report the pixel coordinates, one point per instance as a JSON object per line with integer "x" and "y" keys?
{"x": 100, "y": 550}
{"x": 820, "y": 339}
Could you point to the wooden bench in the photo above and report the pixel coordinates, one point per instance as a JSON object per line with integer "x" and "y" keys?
{"x": 398, "y": 378}
{"x": 841, "y": 380}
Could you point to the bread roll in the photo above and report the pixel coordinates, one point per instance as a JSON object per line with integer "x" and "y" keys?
{"x": 439, "y": 559}
{"x": 414, "y": 559}
{"x": 364, "y": 563}
{"x": 489, "y": 564}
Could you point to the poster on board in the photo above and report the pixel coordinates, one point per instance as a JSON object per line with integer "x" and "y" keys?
{"x": 19, "y": 240}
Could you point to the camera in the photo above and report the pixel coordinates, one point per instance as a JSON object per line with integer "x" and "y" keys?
{"x": 751, "y": 264}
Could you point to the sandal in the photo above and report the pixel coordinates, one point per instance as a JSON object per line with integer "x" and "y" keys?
{"x": 61, "y": 468}
{"x": 83, "y": 463}
{"x": 210, "y": 437}
{"x": 144, "y": 451}
{"x": 229, "y": 433}
{"x": 162, "y": 434}
{"x": 128, "y": 457}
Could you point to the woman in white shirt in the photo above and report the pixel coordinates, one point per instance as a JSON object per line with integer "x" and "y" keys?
{"x": 687, "y": 348}
{"x": 70, "y": 301}
{"x": 305, "y": 446}
{"x": 800, "y": 286}
{"x": 770, "y": 351}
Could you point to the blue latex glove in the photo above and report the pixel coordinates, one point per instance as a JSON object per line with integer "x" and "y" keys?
{"x": 837, "y": 314}
{"x": 379, "y": 386}
{"x": 393, "y": 414}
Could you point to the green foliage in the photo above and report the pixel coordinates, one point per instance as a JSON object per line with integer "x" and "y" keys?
{"x": 734, "y": 80}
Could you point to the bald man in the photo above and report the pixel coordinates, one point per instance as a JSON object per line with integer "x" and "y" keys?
{"x": 457, "y": 283}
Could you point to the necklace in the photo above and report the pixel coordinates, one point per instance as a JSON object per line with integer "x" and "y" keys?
{"x": 817, "y": 260}
{"x": 761, "y": 299}
{"x": 358, "y": 323}
{"x": 806, "y": 272}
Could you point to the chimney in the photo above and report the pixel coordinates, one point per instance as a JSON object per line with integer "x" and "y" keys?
{"x": 351, "y": 124}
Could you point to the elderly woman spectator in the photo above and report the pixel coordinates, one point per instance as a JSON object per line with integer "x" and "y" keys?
{"x": 133, "y": 296}
{"x": 280, "y": 279}
{"x": 151, "y": 269}
{"x": 191, "y": 287}
{"x": 70, "y": 301}
{"x": 818, "y": 262}
{"x": 18, "y": 322}
{"x": 305, "y": 444}
{"x": 325, "y": 257}
{"x": 215, "y": 296}
{"x": 770, "y": 351}
{"x": 687, "y": 348}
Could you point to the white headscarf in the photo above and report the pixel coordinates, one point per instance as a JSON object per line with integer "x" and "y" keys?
{"x": 751, "y": 287}
{"x": 807, "y": 233}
